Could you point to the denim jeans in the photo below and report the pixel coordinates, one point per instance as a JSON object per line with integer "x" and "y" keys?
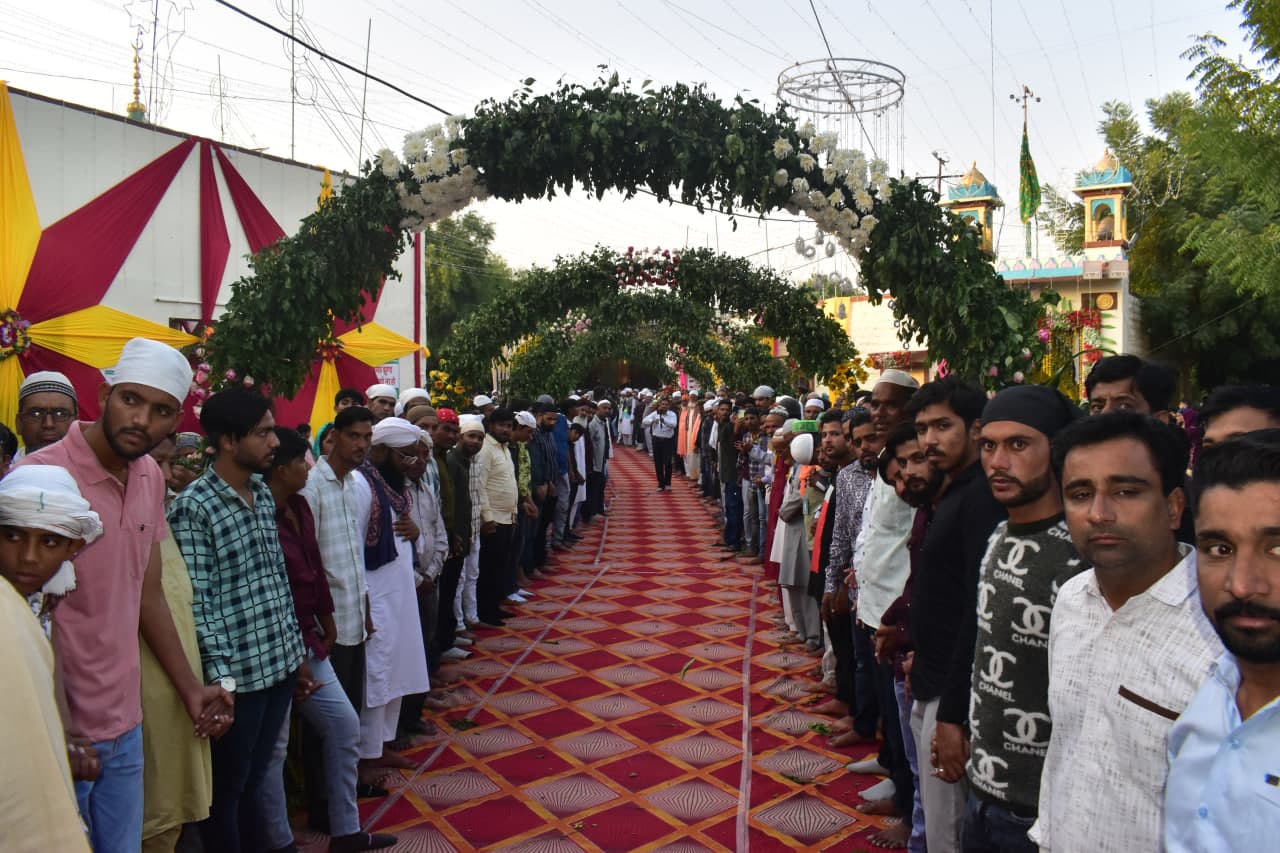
{"x": 112, "y": 806}
{"x": 989, "y": 828}
{"x": 330, "y": 713}
{"x": 917, "y": 843}
{"x": 240, "y": 759}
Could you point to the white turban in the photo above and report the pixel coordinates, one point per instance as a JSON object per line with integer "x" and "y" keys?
{"x": 815, "y": 401}
{"x": 45, "y": 497}
{"x": 395, "y": 432}
{"x": 407, "y": 396}
{"x": 374, "y": 391}
{"x": 155, "y": 365}
{"x": 470, "y": 423}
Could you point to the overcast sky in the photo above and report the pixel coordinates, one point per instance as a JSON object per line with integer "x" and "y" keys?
{"x": 1074, "y": 54}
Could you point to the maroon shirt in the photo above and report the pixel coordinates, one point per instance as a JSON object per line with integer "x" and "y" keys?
{"x": 311, "y": 598}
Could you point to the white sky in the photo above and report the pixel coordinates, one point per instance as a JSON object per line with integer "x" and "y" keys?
{"x": 1074, "y": 54}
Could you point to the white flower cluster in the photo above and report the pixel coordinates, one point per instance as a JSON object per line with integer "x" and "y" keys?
{"x": 435, "y": 180}
{"x": 844, "y": 210}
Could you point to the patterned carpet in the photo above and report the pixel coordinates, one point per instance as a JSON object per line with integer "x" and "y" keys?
{"x": 615, "y": 713}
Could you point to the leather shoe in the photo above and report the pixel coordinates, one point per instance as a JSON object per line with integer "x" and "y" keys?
{"x": 358, "y": 841}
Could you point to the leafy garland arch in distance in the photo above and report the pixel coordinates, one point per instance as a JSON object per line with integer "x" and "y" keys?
{"x": 677, "y": 142}
{"x": 712, "y": 300}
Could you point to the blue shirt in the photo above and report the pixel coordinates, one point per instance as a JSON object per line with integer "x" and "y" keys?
{"x": 1223, "y": 792}
{"x": 560, "y": 434}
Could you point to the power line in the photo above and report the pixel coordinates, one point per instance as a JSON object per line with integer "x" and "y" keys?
{"x": 333, "y": 59}
{"x": 835, "y": 77}
{"x": 729, "y": 33}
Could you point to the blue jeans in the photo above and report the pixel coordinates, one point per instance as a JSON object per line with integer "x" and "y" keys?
{"x": 240, "y": 759}
{"x": 917, "y": 842}
{"x": 330, "y": 713}
{"x": 732, "y": 514}
{"x": 989, "y": 828}
{"x": 755, "y": 514}
{"x": 112, "y": 806}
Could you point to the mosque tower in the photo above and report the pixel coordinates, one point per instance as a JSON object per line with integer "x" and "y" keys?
{"x": 975, "y": 200}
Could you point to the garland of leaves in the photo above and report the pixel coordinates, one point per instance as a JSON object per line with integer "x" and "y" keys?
{"x": 694, "y": 312}
{"x": 946, "y": 293}
{"x": 675, "y": 142}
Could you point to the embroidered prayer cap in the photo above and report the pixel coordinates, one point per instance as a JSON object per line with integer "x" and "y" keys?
{"x": 395, "y": 432}
{"x": 898, "y": 377}
{"x": 184, "y": 440}
{"x": 526, "y": 419}
{"x": 155, "y": 365}
{"x": 470, "y": 423}
{"x": 763, "y": 391}
{"x": 379, "y": 390}
{"x": 446, "y": 416}
{"x": 45, "y": 382}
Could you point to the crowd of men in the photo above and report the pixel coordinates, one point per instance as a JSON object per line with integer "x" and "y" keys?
{"x": 1060, "y": 626}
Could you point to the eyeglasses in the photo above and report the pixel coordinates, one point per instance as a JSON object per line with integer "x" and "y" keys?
{"x": 38, "y": 415}
{"x": 408, "y": 458}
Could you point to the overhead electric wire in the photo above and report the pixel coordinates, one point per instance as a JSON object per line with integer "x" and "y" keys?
{"x": 335, "y": 60}
{"x": 1124, "y": 67}
{"x": 690, "y": 13}
{"x": 835, "y": 76}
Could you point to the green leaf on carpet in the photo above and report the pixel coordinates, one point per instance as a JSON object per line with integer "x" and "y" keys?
{"x": 820, "y": 728}
{"x": 461, "y": 724}
{"x": 796, "y": 779}
{"x": 685, "y": 668}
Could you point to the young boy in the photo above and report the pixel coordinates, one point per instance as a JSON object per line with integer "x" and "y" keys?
{"x": 44, "y": 522}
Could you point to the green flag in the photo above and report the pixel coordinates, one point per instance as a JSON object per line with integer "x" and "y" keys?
{"x": 1028, "y": 183}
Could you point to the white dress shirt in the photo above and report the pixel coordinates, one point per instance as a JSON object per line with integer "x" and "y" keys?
{"x": 1117, "y": 681}
{"x": 661, "y": 425}
{"x": 1224, "y": 773}
{"x": 881, "y": 561}
{"x": 341, "y": 509}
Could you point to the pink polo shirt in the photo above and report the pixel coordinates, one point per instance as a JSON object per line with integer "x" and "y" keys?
{"x": 96, "y": 626}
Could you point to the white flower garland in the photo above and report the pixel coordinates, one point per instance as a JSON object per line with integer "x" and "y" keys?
{"x": 435, "y": 180}
{"x": 845, "y": 211}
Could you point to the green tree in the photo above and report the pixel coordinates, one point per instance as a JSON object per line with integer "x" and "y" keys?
{"x": 461, "y": 272}
{"x": 1198, "y": 312}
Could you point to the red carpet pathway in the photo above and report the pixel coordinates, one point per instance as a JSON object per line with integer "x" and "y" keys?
{"x": 640, "y": 701}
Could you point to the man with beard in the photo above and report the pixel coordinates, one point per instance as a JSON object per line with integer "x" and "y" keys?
{"x": 468, "y": 486}
{"x": 542, "y": 452}
{"x": 499, "y": 494}
{"x": 333, "y": 494}
{"x": 661, "y": 424}
{"x": 1029, "y": 558}
{"x": 1223, "y": 791}
{"x": 1129, "y": 644}
{"x": 395, "y": 659}
{"x": 250, "y": 643}
{"x": 853, "y": 484}
{"x": 944, "y": 599}
{"x": 119, "y": 591}
{"x": 904, "y": 465}
{"x": 837, "y": 455}
{"x": 382, "y": 400}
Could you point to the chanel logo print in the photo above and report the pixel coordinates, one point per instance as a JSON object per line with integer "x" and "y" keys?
{"x": 1017, "y": 554}
{"x": 984, "y": 769}
{"x": 1028, "y": 727}
{"x": 1033, "y": 621}
{"x": 996, "y": 662}
{"x": 985, "y": 591}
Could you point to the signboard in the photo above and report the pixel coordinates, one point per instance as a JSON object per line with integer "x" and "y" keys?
{"x": 388, "y": 374}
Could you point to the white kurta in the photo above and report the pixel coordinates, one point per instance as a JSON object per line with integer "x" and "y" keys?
{"x": 395, "y": 661}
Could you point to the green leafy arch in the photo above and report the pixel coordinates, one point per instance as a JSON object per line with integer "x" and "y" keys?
{"x": 677, "y": 143}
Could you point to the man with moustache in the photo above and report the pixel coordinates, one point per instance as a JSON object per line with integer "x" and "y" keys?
{"x": 835, "y": 608}
{"x": 906, "y": 468}
{"x": 1224, "y": 782}
{"x": 119, "y": 593}
{"x": 468, "y": 486}
{"x": 225, "y": 526}
{"x": 943, "y": 599}
{"x": 853, "y": 484}
{"x": 1030, "y": 557}
{"x": 1129, "y": 643}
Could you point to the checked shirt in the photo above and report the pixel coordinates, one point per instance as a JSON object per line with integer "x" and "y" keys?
{"x": 243, "y": 605}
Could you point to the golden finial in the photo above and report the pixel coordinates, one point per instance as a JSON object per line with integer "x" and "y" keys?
{"x": 136, "y": 110}
{"x": 1108, "y": 163}
{"x": 973, "y": 178}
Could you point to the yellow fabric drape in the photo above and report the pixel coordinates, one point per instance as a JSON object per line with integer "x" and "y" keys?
{"x": 327, "y": 387}
{"x": 96, "y": 335}
{"x": 11, "y": 377}
{"x": 19, "y": 224}
{"x": 375, "y": 344}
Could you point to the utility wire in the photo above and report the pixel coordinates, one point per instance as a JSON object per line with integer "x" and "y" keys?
{"x": 835, "y": 76}
{"x": 335, "y": 60}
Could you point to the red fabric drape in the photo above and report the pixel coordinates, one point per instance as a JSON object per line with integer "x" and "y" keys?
{"x": 260, "y": 227}
{"x": 352, "y": 374}
{"x": 79, "y": 255}
{"x": 370, "y": 307}
{"x": 215, "y": 245}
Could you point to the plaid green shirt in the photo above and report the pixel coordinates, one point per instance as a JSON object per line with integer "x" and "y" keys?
{"x": 243, "y": 605}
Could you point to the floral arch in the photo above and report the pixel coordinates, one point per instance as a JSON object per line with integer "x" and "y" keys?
{"x": 677, "y": 143}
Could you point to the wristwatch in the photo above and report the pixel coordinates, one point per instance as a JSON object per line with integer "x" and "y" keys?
{"x": 227, "y": 683}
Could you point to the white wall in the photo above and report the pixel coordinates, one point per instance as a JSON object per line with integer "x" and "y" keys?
{"x": 73, "y": 154}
